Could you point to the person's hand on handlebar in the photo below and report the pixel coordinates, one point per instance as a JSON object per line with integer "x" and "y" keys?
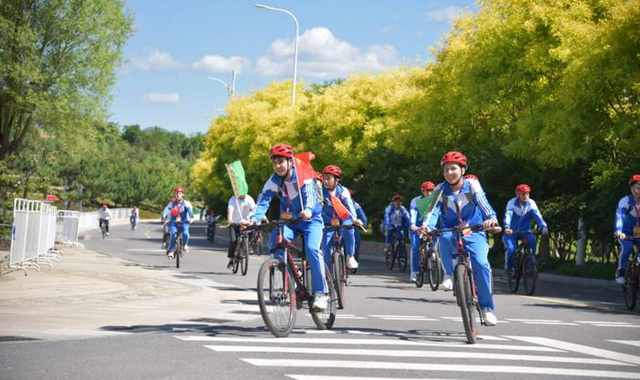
{"x": 508, "y": 231}
{"x": 621, "y": 235}
{"x": 305, "y": 215}
{"x": 246, "y": 223}
{"x": 358, "y": 223}
{"x": 490, "y": 223}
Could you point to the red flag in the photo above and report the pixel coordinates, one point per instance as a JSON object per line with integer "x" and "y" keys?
{"x": 306, "y": 157}
{"x": 304, "y": 170}
{"x": 340, "y": 209}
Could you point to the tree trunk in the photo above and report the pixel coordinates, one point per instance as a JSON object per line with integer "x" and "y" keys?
{"x": 582, "y": 242}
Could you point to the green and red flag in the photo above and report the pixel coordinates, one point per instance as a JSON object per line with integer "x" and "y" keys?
{"x": 238, "y": 180}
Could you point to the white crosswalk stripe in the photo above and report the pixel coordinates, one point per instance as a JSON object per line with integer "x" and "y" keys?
{"x": 628, "y": 342}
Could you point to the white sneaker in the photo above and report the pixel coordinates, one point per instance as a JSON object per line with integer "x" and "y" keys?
{"x": 320, "y": 302}
{"x": 186, "y": 248}
{"x": 170, "y": 254}
{"x": 107, "y": 234}
{"x": 352, "y": 263}
{"x": 490, "y": 319}
{"x": 447, "y": 284}
{"x": 413, "y": 277}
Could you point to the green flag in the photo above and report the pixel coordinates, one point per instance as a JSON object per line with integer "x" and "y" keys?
{"x": 238, "y": 181}
{"x": 424, "y": 205}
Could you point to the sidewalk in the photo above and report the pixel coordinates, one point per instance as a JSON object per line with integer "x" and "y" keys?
{"x": 87, "y": 294}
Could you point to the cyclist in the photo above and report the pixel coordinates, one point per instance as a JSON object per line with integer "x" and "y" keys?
{"x": 517, "y": 216}
{"x": 396, "y": 218}
{"x": 628, "y": 223}
{"x": 134, "y": 217}
{"x": 211, "y": 221}
{"x": 239, "y": 208}
{"x": 417, "y": 218}
{"x": 178, "y": 209}
{"x": 104, "y": 215}
{"x": 333, "y": 189}
{"x": 300, "y": 203}
{"x": 363, "y": 218}
{"x": 463, "y": 202}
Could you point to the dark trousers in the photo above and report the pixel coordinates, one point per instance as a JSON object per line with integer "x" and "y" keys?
{"x": 106, "y": 224}
{"x": 234, "y": 234}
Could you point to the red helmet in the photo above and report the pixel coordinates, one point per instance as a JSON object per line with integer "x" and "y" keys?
{"x": 104, "y": 206}
{"x": 523, "y": 188}
{"x": 427, "y": 186}
{"x": 397, "y": 197}
{"x": 283, "y": 150}
{"x": 634, "y": 178}
{"x": 454, "y": 156}
{"x": 471, "y": 176}
{"x": 178, "y": 189}
{"x": 175, "y": 212}
{"x": 333, "y": 170}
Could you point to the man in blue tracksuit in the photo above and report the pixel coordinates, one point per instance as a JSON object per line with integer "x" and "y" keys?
{"x": 334, "y": 192}
{"x": 517, "y": 217}
{"x": 462, "y": 202}
{"x": 362, "y": 217}
{"x": 396, "y": 218}
{"x": 296, "y": 202}
{"x": 628, "y": 224}
{"x": 178, "y": 209}
{"x": 417, "y": 220}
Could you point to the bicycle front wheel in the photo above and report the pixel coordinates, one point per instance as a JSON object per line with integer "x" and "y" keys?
{"x": 421, "y": 272}
{"x": 338, "y": 277}
{"x": 244, "y": 257}
{"x": 464, "y": 295}
{"x": 402, "y": 257}
{"x": 257, "y": 249}
{"x": 276, "y": 297}
{"x": 434, "y": 271}
{"x": 324, "y": 319}
{"x": 514, "y": 278}
{"x": 178, "y": 251}
{"x": 630, "y": 287}
{"x": 390, "y": 257}
{"x": 236, "y": 258}
{"x": 529, "y": 274}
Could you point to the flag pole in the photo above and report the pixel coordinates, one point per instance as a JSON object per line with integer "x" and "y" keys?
{"x": 295, "y": 167}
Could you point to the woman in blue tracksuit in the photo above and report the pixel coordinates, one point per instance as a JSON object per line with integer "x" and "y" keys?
{"x": 463, "y": 202}
{"x": 178, "y": 209}
{"x": 417, "y": 220}
{"x": 517, "y": 217}
{"x": 628, "y": 223}
{"x": 296, "y": 202}
{"x": 396, "y": 218}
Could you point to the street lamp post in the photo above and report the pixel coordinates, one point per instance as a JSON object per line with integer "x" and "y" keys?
{"x": 230, "y": 88}
{"x": 295, "y": 50}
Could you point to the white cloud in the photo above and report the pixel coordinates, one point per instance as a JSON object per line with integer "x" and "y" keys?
{"x": 157, "y": 60}
{"x": 161, "y": 97}
{"x": 322, "y": 55}
{"x": 445, "y": 14}
{"x": 219, "y": 64}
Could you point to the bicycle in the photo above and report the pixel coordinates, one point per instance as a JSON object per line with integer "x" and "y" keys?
{"x": 632, "y": 275}
{"x": 397, "y": 252}
{"x": 464, "y": 287}
{"x": 283, "y": 287}
{"x": 430, "y": 263}
{"x": 103, "y": 228}
{"x": 256, "y": 243}
{"x": 179, "y": 244}
{"x": 132, "y": 220}
{"x": 241, "y": 252}
{"x": 339, "y": 264}
{"x": 211, "y": 230}
{"x": 525, "y": 266}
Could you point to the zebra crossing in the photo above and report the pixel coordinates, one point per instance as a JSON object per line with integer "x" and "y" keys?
{"x": 361, "y": 354}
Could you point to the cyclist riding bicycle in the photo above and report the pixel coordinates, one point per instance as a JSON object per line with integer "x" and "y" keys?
{"x": 239, "y": 209}
{"x": 363, "y": 218}
{"x": 134, "y": 216}
{"x": 300, "y": 203}
{"x": 179, "y": 209}
{"x": 627, "y": 223}
{"x": 396, "y": 219}
{"x": 336, "y": 192}
{"x": 417, "y": 218}
{"x": 517, "y": 217}
{"x": 104, "y": 214}
{"x": 462, "y": 202}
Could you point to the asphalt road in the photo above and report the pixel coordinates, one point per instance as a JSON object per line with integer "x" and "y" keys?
{"x": 389, "y": 329}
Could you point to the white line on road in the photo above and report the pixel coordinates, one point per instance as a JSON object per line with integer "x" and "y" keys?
{"x": 317, "y": 377}
{"x": 390, "y": 342}
{"x": 552, "y": 323}
{"x": 413, "y": 354}
{"x": 604, "y": 322}
{"x": 144, "y": 250}
{"x": 629, "y": 342}
{"x": 422, "y": 336}
{"x": 632, "y": 359}
{"x": 532, "y": 320}
{"x": 439, "y": 367}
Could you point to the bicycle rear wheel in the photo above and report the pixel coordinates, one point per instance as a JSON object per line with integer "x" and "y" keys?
{"x": 421, "y": 273}
{"x": 514, "y": 278}
{"x": 390, "y": 257}
{"x": 337, "y": 259}
{"x": 464, "y": 295}
{"x": 244, "y": 257}
{"x": 324, "y": 319}
{"x": 257, "y": 247}
{"x": 236, "y": 258}
{"x": 276, "y": 297}
{"x": 178, "y": 251}
{"x": 630, "y": 286}
{"x": 402, "y": 256}
{"x": 529, "y": 274}
{"x": 434, "y": 271}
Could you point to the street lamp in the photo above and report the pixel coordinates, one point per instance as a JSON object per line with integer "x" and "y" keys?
{"x": 230, "y": 88}
{"x": 295, "y": 51}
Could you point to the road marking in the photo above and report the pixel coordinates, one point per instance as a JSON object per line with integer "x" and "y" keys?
{"x": 422, "y": 336}
{"x": 611, "y": 325}
{"x": 629, "y": 342}
{"x": 552, "y": 323}
{"x": 439, "y": 367}
{"x": 532, "y": 320}
{"x": 571, "y": 303}
{"x": 390, "y": 342}
{"x": 604, "y": 322}
{"x": 349, "y": 316}
{"x": 413, "y": 354}
{"x": 144, "y": 250}
{"x": 317, "y": 377}
{"x": 632, "y": 359}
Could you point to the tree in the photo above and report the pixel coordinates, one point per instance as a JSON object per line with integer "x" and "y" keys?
{"x": 57, "y": 61}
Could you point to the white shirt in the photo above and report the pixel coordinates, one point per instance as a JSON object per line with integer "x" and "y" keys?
{"x": 104, "y": 214}
{"x": 247, "y": 206}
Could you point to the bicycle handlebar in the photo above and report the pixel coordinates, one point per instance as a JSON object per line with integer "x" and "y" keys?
{"x": 631, "y": 237}
{"x": 475, "y": 227}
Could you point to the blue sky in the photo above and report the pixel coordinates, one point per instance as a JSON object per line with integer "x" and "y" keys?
{"x": 177, "y": 44}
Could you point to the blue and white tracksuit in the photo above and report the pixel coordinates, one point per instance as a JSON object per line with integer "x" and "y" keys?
{"x": 461, "y": 210}
{"x": 395, "y": 220}
{"x": 134, "y": 216}
{"x": 186, "y": 214}
{"x": 416, "y": 220}
{"x": 328, "y": 213}
{"x": 363, "y": 217}
{"x": 517, "y": 217}
{"x": 290, "y": 201}
{"x": 627, "y": 217}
